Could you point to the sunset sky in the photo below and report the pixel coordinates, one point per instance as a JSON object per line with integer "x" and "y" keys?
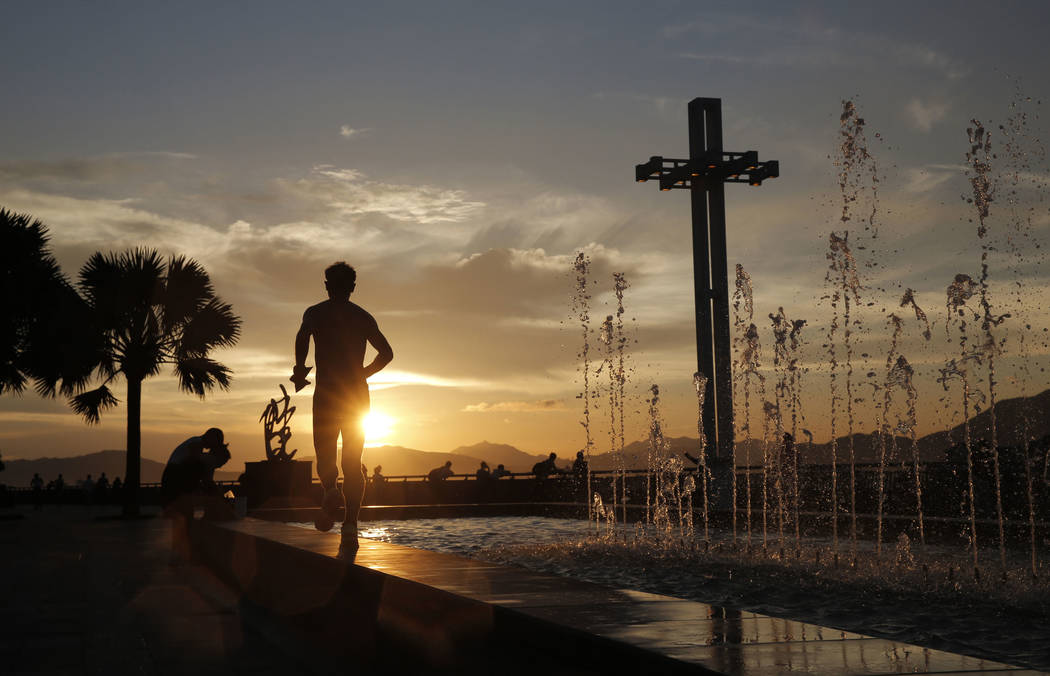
{"x": 460, "y": 154}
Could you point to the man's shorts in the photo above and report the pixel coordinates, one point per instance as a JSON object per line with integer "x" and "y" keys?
{"x": 341, "y": 406}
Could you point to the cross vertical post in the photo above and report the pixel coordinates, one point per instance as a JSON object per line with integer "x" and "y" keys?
{"x": 705, "y": 174}
{"x": 710, "y": 278}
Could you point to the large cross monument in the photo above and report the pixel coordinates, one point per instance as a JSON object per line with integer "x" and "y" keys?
{"x": 704, "y": 175}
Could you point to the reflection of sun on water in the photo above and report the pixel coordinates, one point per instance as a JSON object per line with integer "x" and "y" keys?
{"x": 375, "y": 533}
{"x": 378, "y": 426}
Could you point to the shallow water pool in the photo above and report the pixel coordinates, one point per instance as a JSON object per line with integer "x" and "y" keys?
{"x": 989, "y": 619}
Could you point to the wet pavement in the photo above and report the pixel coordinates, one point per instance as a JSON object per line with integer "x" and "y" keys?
{"x": 84, "y": 593}
{"x": 690, "y": 635}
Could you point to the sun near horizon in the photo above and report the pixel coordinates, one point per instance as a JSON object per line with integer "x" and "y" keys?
{"x": 378, "y": 426}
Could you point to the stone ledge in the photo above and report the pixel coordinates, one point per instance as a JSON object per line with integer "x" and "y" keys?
{"x": 395, "y": 609}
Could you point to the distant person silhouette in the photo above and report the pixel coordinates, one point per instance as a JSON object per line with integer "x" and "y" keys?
{"x": 60, "y": 483}
{"x": 87, "y": 486}
{"x": 116, "y": 490}
{"x": 579, "y": 466}
{"x": 483, "y": 473}
{"x": 37, "y": 485}
{"x": 101, "y": 489}
{"x": 545, "y": 468}
{"x": 440, "y": 473}
{"x": 341, "y": 330}
{"x": 377, "y": 475}
{"x": 500, "y": 471}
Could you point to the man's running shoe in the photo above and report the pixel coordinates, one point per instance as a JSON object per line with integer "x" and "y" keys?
{"x": 348, "y": 544}
{"x": 333, "y": 501}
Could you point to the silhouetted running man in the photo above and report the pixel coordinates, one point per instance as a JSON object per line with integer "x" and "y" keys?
{"x": 341, "y": 330}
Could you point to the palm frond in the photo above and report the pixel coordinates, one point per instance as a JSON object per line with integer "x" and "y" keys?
{"x": 90, "y": 404}
{"x": 200, "y": 375}
{"x": 120, "y": 288}
{"x": 11, "y": 377}
{"x": 186, "y": 288}
{"x": 213, "y": 325}
{"x": 45, "y": 321}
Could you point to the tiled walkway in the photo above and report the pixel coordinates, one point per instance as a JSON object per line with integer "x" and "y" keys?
{"x": 84, "y": 595}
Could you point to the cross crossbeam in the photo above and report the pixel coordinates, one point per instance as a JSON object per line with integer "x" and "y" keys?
{"x": 725, "y": 167}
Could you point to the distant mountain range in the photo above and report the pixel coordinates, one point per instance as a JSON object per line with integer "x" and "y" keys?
{"x": 1011, "y": 420}
{"x": 465, "y": 459}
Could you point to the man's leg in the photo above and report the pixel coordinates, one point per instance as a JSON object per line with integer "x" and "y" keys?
{"x": 353, "y": 477}
{"x": 326, "y": 432}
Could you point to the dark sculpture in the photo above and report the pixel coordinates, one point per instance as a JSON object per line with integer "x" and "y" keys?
{"x": 278, "y": 415}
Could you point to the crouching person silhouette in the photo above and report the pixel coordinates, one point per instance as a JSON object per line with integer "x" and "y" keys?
{"x": 340, "y": 330}
{"x": 189, "y": 474}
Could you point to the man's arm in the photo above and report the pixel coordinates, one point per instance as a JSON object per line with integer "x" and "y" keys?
{"x": 385, "y": 356}
{"x": 302, "y": 350}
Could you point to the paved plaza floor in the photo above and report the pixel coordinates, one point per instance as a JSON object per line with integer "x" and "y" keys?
{"x": 84, "y": 594}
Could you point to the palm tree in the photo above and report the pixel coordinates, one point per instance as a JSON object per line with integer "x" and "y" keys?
{"x": 45, "y": 326}
{"x": 152, "y": 313}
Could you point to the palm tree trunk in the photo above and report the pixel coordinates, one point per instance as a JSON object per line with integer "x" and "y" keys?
{"x": 134, "y": 448}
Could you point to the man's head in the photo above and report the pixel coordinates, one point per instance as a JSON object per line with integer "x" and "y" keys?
{"x": 448, "y": 464}
{"x": 212, "y": 438}
{"x": 340, "y": 280}
{"x": 552, "y": 456}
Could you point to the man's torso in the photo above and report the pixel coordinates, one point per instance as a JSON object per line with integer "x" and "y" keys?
{"x": 187, "y": 450}
{"x": 341, "y": 331}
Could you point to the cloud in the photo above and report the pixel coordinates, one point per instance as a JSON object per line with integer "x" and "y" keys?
{"x": 347, "y": 192}
{"x": 930, "y": 177}
{"x": 388, "y": 378}
{"x": 814, "y": 45}
{"x": 346, "y": 131}
{"x": 923, "y": 115}
{"x": 542, "y": 405}
{"x": 663, "y": 104}
{"x": 97, "y": 168}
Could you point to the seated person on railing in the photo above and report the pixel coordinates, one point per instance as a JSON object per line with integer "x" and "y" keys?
{"x": 546, "y": 468}
{"x": 500, "y": 471}
{"x": 440, "y": 473}
{"x": 483, "y": 473}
